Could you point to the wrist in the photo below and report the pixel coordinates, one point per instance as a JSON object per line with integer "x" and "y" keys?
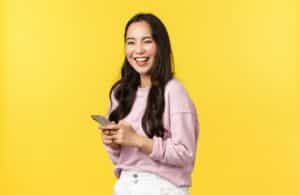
{"x": 144, "y": 144}
{"x": 139, "y": 141}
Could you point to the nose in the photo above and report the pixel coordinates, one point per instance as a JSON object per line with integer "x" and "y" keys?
{"x": 139, "y": 48}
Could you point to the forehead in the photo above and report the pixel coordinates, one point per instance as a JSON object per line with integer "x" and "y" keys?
{"x": 138, "y": 30}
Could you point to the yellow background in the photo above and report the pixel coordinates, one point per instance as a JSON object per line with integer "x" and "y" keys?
{"x": 239, "y": 60}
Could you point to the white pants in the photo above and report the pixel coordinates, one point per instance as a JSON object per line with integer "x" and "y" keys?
{"x": 144, "y": 183}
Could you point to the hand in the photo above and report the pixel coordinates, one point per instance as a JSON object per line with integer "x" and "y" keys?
{"x": 125, "y": 135}
{"x": 107, "y": 137}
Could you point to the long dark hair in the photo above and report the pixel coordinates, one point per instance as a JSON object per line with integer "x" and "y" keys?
{"x": 161, "y": 73}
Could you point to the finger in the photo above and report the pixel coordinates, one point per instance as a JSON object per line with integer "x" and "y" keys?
{"x": 114, "y": 137}
{"x": 107, "y": 136}
{"x": 115, "y": 141}
{"x": 105, "y": 132}
{"x": 102, "y": 126}
{"x": 121, "y": 122}
{"x": 113, "y": 132}
{"x": 111, "y": 126}
{"x": 107, "y": 141}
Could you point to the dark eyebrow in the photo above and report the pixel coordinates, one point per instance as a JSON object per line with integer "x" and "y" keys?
{"x": 128, "y": 38}
{"x": 145, "y": 37}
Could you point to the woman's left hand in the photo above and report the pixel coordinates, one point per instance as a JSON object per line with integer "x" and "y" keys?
{"x": 125, "y": 135}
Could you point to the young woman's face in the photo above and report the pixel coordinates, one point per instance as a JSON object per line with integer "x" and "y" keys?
{"x": 140, "y": 47}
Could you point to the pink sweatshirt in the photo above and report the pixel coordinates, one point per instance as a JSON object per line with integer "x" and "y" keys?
{"x": 173, "y": 156}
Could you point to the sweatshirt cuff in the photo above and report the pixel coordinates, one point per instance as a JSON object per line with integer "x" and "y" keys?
{"x": 112, "y": 151}
{"x": 157, "y": 148}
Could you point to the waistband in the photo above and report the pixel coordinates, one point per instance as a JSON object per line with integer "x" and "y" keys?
{"x": 138, "y": 174}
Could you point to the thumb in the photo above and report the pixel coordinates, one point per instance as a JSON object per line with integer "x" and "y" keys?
{"x": 122, "y": 122}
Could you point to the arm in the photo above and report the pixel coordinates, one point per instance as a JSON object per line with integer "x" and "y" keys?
{"x": 145, "y": 144}
{"x": 113, "y": 152}
{"x": 178, "y": 150}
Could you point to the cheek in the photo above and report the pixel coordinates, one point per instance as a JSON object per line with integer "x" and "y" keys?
{"x": 128, "y": 54}
{"x": 130, "y": 59}
{"x": 153, "y": 50}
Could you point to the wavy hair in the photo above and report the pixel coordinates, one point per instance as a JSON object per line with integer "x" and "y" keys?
{"x": 161, "y": 72}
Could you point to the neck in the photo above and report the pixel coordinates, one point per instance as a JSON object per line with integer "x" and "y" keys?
{"x": 145, "y": 80}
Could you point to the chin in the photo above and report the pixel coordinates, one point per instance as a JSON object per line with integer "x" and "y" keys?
{"x": 142, "y": 71}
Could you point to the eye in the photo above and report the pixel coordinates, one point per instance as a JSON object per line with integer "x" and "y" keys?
{"x": 130, "y": 43}
{"x": 148, "y": 41}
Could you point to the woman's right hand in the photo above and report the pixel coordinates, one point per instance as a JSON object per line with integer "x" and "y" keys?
{"x": 107, "y": 137}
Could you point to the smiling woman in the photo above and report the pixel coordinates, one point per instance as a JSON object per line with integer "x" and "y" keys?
{"x": 140, "y": 47}
{"x": 155, "y": 131}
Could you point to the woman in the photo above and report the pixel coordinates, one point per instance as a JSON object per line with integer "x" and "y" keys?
{"x": 153, "y": 139}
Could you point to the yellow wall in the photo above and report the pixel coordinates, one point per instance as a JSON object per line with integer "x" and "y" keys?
{"x": 238, "y": 59}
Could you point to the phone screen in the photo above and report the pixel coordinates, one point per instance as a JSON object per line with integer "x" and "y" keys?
{"x": 101, "y": 120}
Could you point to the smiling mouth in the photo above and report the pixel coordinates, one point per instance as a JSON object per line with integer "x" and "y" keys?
{"x": 141, "y": 59}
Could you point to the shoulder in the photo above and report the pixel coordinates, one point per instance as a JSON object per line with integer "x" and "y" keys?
{"x": 175, "y": 86}
{"x": 177, "y": 97}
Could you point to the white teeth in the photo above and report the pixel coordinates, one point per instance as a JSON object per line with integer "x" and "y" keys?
{"x": 141, "y": 59}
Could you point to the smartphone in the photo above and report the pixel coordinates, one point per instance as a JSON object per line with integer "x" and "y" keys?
{"x": 101, "y": 120}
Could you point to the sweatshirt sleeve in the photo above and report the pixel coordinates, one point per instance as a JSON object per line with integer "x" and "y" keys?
{"x": 179, "y": 149}
{"x": 114, "y": 154}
